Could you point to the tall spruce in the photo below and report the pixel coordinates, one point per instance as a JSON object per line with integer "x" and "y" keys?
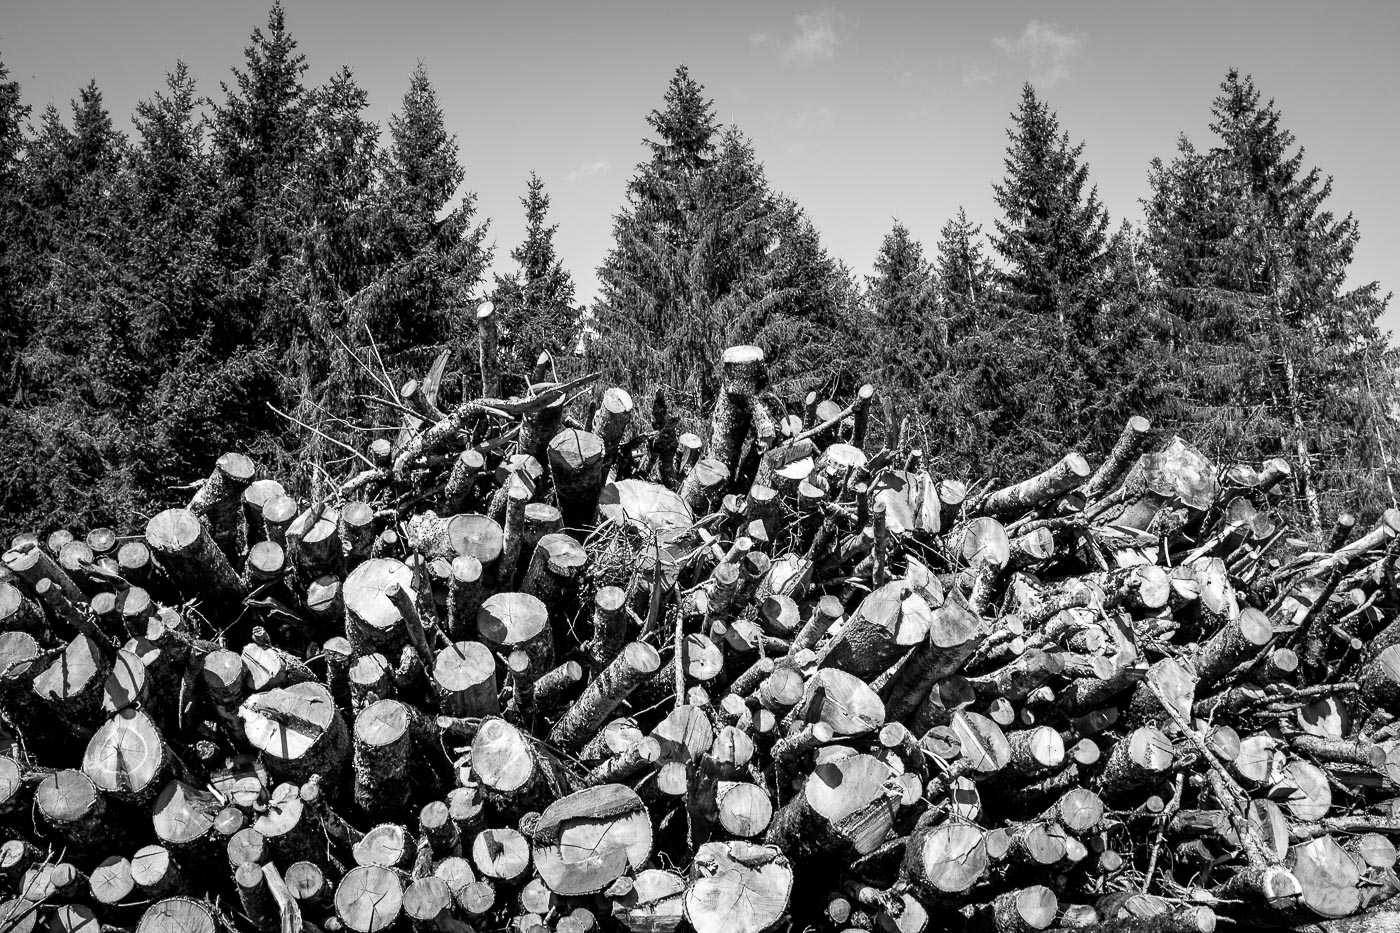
{"x": 1282, "y": 357}
{"x": 536, "y": 301}
{"x": 64, "y": 441}
{"x": 912, "y": 336}
{"x": 16, "y": 256}
{"x": 435, "y": 253}
{"x": 205, "y": 385}
{"x": 705, "y": 256}
{"x": 1037, "y": 344}
{"x": 963, "y": 275}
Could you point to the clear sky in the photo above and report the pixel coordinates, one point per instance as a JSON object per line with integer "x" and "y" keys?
{"x": 864, "y": 112}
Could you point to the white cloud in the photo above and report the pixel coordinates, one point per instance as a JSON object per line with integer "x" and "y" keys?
{"x": 1049, "y": 49}
{"x": 760, "y": 39}
{"x": 817, "y": 37}
{"x": 601, "y": 167}
{"x": 974, "y": 75}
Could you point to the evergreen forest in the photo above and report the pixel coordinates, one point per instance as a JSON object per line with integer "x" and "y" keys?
{"x": 244, "y": 269}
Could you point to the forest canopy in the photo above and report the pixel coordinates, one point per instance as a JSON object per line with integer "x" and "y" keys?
{"x": 241, "y": 271}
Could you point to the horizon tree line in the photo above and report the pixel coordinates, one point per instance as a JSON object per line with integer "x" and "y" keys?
{"x": 238, "y": 273}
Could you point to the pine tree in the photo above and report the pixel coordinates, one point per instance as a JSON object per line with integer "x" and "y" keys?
{"x": 1033, "y": 349}
{"x": 706, "y": 256}
{"x": 1283, "y": 359}
{"x": 1052, "y": 234}
{"x": 963, "y": 276}
{"x": 435, "y": 254}
{"x": 261, "y": 134}
{"x": 15, "y": 257}
{"x": 913, "y": 338}
{"x": 535, "y": 302}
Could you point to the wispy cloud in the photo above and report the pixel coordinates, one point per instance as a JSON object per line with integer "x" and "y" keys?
{"x": 811, "y": 118}
{"x": 974, "y": 75}
{"x": 758, "y": 39}
{"x": 818, "y": 37}
{"x": 601, "y": 167}
{"x": 1049, "y": 49}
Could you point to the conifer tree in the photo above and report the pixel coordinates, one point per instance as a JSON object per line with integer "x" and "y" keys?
{"x": 1281, "y": 355}
{"x": 803, "y": 307}
{"x": 261, "y": 134}
{"x": 339, "y": 245}
{"x": 912, "y": 336}
{"x": 1052, "y": 233}
{"x": 705, "y": 256}
{"x": 1033, "y": 351}
{"x": 536, "y": 301}
{"x": 15, "y": 255}
{"x": 203, "y": 386}
{"x": 435, "y": 253}
{"x": 962, "y": 275}
{"x": 65, "y": 441}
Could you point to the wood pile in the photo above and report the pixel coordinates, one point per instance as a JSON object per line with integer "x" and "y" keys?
{"x": 547, "y": 663}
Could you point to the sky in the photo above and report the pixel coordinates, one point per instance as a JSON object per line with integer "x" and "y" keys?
{"x": 864, "y": 112}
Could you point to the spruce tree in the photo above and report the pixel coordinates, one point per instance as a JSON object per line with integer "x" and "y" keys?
{"x": 338, "y": 205}
{"x": 963, "y": 276}
{"x": 261, "y": 134}
{"x": 706, "y": 256}
{"x": 913, "y": 339}
{"x": 803, "y": 307}
{"x": 1282, "y": 358}
{"x": 435, "y": 256}
{"x": 205, "y": 385}
{"x": 1051, "y": 235}
{"x": 647, "y": 317}
{"x": 536, "y": 301}
{"x": 65, "y": 439}
{"x": 15, "y": 255}
{"x": 1033, "y": 350}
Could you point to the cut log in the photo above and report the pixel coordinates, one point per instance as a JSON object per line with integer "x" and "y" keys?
{"x": 624, "y": 674}
{"x": 382, "y": 752}
{"x": 182, "y": 914}
{"x": 737, "y": 887}
{"x": 517, "y": 621}
{"x": 369, "y": 899}
{"x": 464, "y": 675}
{"x": 125, "y": 756}
{"x": 585, "y": 841}
{"x": 193, "y": 560}
{"x": 298, "y": 730}
{"x": 842, "y": 809}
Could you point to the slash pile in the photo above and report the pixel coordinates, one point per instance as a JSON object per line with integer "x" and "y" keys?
{"x": 521, "y": 674}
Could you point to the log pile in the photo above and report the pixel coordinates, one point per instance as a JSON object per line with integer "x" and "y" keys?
{"x": 547, "y": 663}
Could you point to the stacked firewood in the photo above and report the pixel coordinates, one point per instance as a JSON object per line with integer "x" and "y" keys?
{"x": 548, "y": 663}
